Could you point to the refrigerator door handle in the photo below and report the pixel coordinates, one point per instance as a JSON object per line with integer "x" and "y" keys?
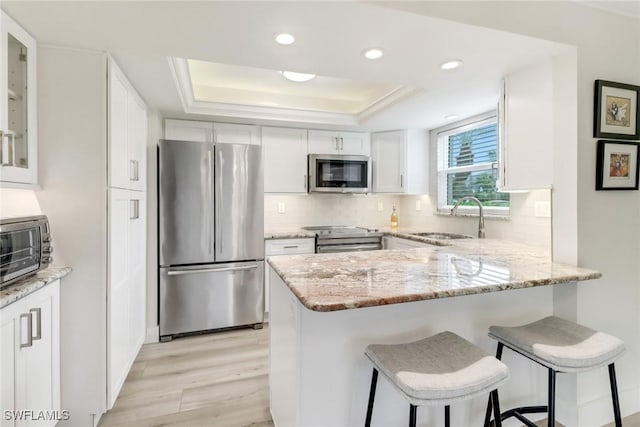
{"x": 210, "y": 188}
{"x": 218, "y": 207}
{"x": 211, "y": 270}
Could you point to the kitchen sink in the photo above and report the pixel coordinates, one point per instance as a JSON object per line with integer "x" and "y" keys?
{"x": 442, "y": 236}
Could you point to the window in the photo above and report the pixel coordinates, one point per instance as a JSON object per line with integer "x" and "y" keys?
{"x": 468, "y": 166}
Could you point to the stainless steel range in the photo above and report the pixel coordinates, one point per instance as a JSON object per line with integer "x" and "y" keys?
{"x": 331, "y": 239}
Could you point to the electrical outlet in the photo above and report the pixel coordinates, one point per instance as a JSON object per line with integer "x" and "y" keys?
{"x": 380, "y": 207}
{"x": 281, "y": 207}
{"x": 542, "y": 209}
{"x": 418, "y": 205}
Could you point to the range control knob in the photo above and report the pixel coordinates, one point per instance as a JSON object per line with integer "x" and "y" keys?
{"x": 47, "y": 249}
{"x": 47, "y": 259}
{"x": 46, "y": 239}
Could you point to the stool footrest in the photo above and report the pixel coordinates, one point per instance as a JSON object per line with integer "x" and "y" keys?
{"x": 517, "y": 412}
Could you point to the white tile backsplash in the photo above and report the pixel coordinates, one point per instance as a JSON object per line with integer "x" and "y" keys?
{"x": 345, "y": 209}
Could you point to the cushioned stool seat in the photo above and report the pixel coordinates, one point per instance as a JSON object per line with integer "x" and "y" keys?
{"x": 438, "y": 370}
{"x": 560, "y": 346}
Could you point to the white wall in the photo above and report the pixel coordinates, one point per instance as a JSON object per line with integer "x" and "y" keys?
{"x": 15, "y": 203}
{"x": 73, "y": 176}
{"x": 608, "y": 230}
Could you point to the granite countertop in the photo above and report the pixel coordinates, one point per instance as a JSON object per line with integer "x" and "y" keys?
{"x": 289, "y": 234}
{"x": 28, "y": 285}
{"x": 330, "y": 282}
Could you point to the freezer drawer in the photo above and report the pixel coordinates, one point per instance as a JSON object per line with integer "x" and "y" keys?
{"x": 210, "y": 296}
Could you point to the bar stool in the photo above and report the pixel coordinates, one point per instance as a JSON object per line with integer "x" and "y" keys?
{"x": 438, "y": 370}
{"x": 560, "y": 346}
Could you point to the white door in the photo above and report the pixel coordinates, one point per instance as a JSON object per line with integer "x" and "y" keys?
{"x": 137, "y": 141}
{"x": 18, "y": 109}
{"x": 188, "y": 130}
{"x": 120, "y": 169}
{"x": 388, "y": 161}
{"x": 324, "y": 142}
{"x": 120, "y": 212}
{"x": 41, "y": 362}
{"x": 228, "y": 133}
{"x": 354, "y": 143}
{"x": 137, "y": 272}
{"x": 284, "y": 156}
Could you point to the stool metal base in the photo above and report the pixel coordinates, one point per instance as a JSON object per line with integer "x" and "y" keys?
{"x": 494, "y": 404}
{"x": 551, "y": 397}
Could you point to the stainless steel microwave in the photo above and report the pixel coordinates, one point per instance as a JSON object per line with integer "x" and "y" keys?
{"x": 25, "y": 247}
{"x": 334, "y": 173}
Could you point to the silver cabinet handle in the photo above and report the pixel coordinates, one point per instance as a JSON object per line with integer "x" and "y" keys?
{"x": 291, "y": 247}
{"x": 401, "y": 183}
{"x": 337, "y": 147}
{"x": 210, "y": 193}
{"x": 134, "y": 210}
{"x": 341, "y": 143}
{"x": 29, "y": 342}
{"x": 134, "y": 170}
{"x": 211, "y": 270}
{"x": 10, "y": 150}
{"x": 38, "y": 312}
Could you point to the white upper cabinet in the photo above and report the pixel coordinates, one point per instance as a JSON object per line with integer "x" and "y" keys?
{"x": 526, "y": 129}
{"x": 188, "y": 130}
{"x": 18, "y": 109}
{"x": 332, "y": 142}
{"x": 227, "y": 133}
{"x": 284, "y": 154}
{"x": 127, "y": 133}
{"x": 399, "y": 161}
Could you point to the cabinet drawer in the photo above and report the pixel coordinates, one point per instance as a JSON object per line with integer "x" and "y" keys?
{"x": 290, "y": 246}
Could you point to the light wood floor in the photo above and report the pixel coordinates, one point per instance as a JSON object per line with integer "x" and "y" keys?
{"x": 207, "y": 380}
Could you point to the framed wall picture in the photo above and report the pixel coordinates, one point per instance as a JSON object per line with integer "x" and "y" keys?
{"x": 617, "y": 165}
{"x": 616, "y": 111}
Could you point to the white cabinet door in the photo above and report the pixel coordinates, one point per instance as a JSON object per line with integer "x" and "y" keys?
{"x": 30, "y": 364}
{"x": 41, "y": 362}
{"x": 526, "y": 129}
{"x": 284, "y": 152}
{"x": 137, "y": 272}
{"x": 283, "y": 247}
{"x": 388, "y": 154}
{"x": 137, "y": 141}
{"x": 18, "y": 109}
{"x": 118, "y": 312}
{"x": 188, "y": 130}
{"x": 227, "y": 133}
{"x": 332, "y": 142}
{"x": 127, "y": 133}
{"x": 118, "y": 99}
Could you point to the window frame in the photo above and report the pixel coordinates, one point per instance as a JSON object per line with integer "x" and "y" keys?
{"x": 442, "y": 170}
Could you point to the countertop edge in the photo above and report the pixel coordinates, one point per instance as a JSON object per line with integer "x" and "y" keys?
{"x": 31, "y": 284}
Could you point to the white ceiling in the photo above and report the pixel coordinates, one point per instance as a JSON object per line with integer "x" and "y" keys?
{"x": 330, "y": 37}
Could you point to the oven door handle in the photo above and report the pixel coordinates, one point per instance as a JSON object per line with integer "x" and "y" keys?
{"x": 348, "y": 248}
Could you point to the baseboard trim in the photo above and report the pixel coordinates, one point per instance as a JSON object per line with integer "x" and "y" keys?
{"x": 153, "y": 335}
{"x": 599, "y": 412}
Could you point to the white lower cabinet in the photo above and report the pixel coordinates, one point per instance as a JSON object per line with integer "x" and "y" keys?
{"x": 276, "y": 247}
{"x": 126, "y": 287}
{"x": 30, "y": 359}
{"x": 391, "y": 242}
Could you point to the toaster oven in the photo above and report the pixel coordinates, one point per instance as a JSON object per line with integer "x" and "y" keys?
{"x": 25, "y": 247}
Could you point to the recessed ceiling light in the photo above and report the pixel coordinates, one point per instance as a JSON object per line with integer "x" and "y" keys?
{"x": 284, "y": 39}
{"x": 373, "y": 53}
{"x": 450, "y": 65}
{"x": 451, "y": 117}
{"x": 297, "y": 77}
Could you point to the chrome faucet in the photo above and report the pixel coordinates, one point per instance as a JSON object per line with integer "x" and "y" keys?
{"x": 481, "y": 216}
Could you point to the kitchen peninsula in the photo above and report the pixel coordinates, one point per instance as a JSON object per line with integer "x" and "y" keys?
{"x": 326, "y": 308}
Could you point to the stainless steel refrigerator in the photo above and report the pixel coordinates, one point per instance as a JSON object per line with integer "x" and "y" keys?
{"x": 211, "y": 236}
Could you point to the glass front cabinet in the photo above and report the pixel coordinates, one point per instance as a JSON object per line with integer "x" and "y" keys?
{"x": 18, "y": 126}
